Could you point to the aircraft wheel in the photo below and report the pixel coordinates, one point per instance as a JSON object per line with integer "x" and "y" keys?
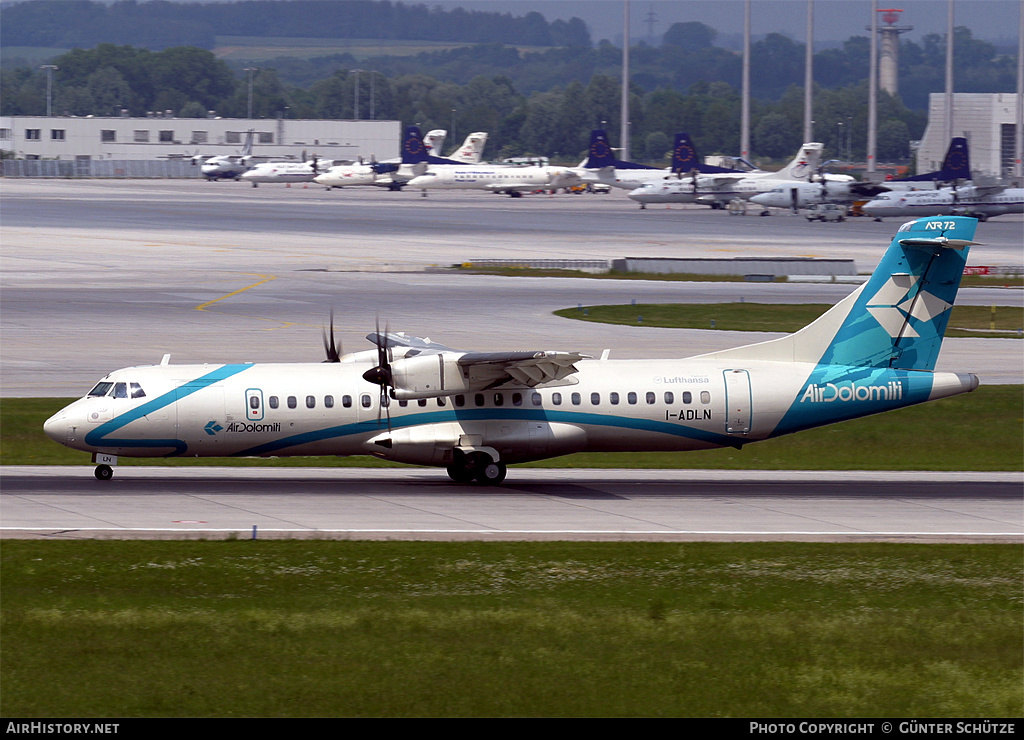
{"x": 460, "y": 473}
{"x": 491, "y": 473}
{"x": 104, "y": 472}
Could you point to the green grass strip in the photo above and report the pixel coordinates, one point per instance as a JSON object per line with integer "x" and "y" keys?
{"x": 973, "y": 431}
{"x": 1005, "y": 322}
{"x": 405, "y": 629}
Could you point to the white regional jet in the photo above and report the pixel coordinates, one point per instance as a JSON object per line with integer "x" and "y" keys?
{"x": 386, "y": 174}
{"x": 955, "y": 167}
{"x": 494, "y": 178}
{"x": 600, "y": 166}
{"x": 718, "y": 189}
{"x": 980, "y": 202}
{"x": 474, "y": 413}
{"x": 229, "y": 166}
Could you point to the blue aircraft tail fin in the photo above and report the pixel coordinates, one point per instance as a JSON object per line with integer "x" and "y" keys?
{"x": 895, "y": 320}
{"x": 684, "y": 158}
{"x": 415, "y": 151}
{"x": 600, "y": 155}
{"x": 899, "y": 317}
{"x": 956, "y": 165}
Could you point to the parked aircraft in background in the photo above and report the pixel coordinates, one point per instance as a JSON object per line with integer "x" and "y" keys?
{"x": 474, "y": 413}
{"x": 955, "y": 168}
{"x": 718, "y": 189}
{"x": 432, "y": 174}
{"x": 383, "y": 174}
{"x": 229, "y": 166}
{"x": 602, "y": 167}
{"x": 978, "y": 201}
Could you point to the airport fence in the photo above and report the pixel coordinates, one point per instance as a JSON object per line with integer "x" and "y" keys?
{"x": 154, "y": 168}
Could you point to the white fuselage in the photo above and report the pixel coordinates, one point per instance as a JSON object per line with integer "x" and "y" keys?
{"x": 495, "y": 179}
{"x": 945, "y": 201}
{"x": 224, "y": 168}
{"x": 285, "y": 171}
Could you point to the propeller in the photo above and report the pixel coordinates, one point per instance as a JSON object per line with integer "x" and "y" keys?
{"x": 332, "y": 350}
{"x": 381, "y": 374}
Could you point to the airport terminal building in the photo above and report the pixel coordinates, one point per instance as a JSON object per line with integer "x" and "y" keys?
{"x": 82, "y": 141}
{"x": 987, "y": 120}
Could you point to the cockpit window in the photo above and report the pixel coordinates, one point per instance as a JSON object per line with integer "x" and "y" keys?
{"x": 120, "y": 390}
{"x": 101, "y": 389}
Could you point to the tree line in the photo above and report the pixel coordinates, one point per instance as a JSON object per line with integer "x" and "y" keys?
{"x": 160, "y": 24}
{"x": 538, "y": 103}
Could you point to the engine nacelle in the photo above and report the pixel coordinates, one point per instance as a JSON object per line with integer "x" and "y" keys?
{"x": 428, "y": 376}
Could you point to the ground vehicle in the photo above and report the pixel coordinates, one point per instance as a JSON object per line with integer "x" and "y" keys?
{"x": 825, "y": 212}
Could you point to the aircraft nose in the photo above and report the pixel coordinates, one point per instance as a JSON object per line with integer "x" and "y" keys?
{"x": 56, "y": 427}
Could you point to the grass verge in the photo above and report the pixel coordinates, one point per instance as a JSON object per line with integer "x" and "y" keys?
{"x": 406, "y": 629}
{"x": 1003, "y": 322}
{"x": 966, "y": 432}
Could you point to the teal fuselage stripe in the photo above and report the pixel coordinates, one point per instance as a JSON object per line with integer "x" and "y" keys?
{"x": 489, "y": 414}
{"x": 98, "y": 436}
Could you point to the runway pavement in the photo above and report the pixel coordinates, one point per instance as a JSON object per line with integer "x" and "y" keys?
{"x": 102, "y": 274}
{"x": 533, "y": 504}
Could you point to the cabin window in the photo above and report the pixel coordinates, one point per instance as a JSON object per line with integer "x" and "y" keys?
{"x": 595, "y": 399}
{"x": 669, "y": 397}
{"x": 403, "y": 403}
{"x": 499, "y": 399}
{"x": 254, "y": 402}
{"x": 346, "y": 401}
{"x": 556, "y": 399}
{"x": 517, "y": 399}
{"x": 365, "y": 400}
{"x": 576, "y": 399}
{"x": 535, "y": 399}
{"x": 631, "y": 397}
{"x": 705, "y": 397}
{"x": 440, "y": 401}
{"x": 460, "y": 401}
{"x": 687, "y": 397}
{"x": 310, "y": 402}
{"x": 650, "y": 397}
{"x": 613, "y": 398}
{"x": 292, "y": 402}
{"x": 422, "y": 402}
{"x": 329, "y": 402}
{"x": 478, "y": 399}
{"x": 273, "y": 402}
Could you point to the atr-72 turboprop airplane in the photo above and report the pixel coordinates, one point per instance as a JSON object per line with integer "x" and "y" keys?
{"x": 474, "y": 413}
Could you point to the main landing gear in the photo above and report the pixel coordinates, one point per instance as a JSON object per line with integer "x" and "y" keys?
{"x": 476, "y": 466}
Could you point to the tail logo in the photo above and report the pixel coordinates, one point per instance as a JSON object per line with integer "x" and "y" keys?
{"x": 895, "y": 304}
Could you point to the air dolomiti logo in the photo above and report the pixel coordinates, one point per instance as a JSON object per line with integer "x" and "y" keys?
{"x": 236, "y": 427}
{"x": 893, "y": 306}
{"x": 848, "y": 391}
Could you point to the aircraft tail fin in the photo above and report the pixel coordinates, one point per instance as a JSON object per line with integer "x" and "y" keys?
{"x": 247, "y": 147}
{"x": 955, "y": 166}
{"x": 684, "y": 158}
{"x": 803, "y": 166}
{"x": 600, "y": 152}
{"x": 898, "y": 318}
{"x": 434, "y": 141}
{"x": 472, "y": 149}
{"x": 414, "y": 149}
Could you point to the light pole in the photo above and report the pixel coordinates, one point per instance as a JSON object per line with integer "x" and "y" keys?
{"x": 250, "y": 70}
{"x": 355, "y": 94}
{"x": 49, "y": 86}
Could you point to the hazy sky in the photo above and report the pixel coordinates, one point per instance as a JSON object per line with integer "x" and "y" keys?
{"x": 834, "y": 20}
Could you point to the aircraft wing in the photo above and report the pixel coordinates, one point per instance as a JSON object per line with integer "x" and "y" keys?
{"x": 868, "y": 189}
{"x": 527, "y": 368}
{"x": 483, "y": 370}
